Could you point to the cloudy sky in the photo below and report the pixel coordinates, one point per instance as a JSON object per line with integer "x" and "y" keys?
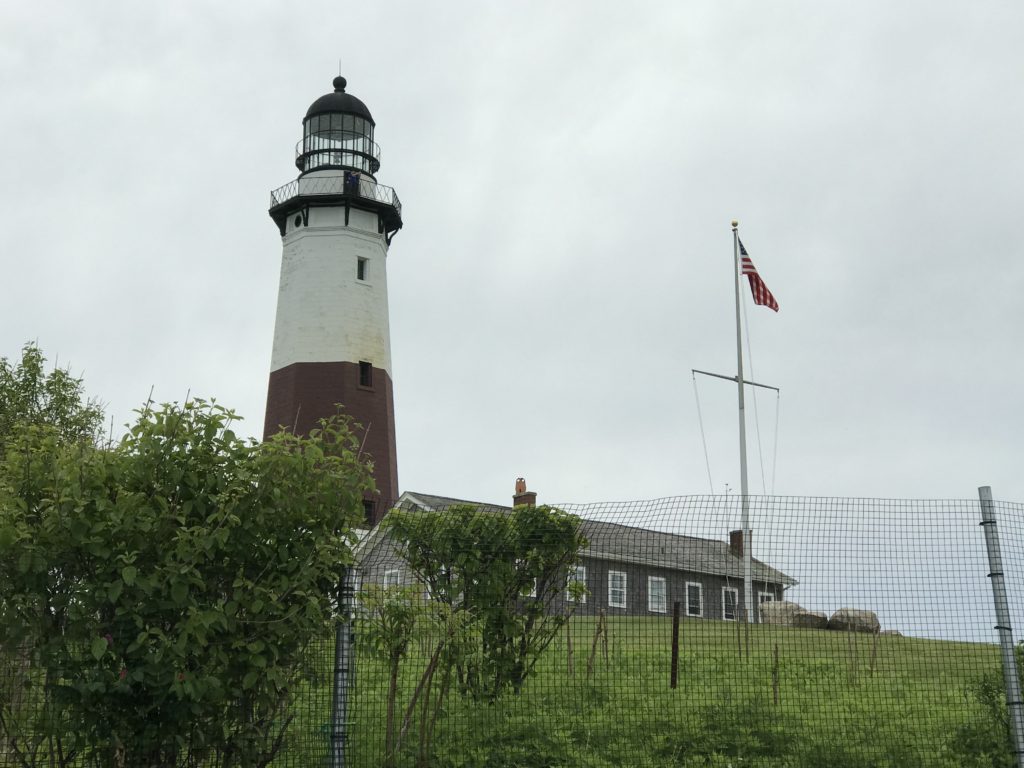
{"x": 568, "y": 173}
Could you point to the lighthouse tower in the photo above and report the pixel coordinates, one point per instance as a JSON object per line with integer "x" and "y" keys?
{"x": 332, "y": 344}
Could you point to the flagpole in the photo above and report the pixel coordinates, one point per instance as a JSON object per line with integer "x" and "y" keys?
{"x": 748, "y": 605}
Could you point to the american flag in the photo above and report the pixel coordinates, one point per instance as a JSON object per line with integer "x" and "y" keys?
{"x": 760, "y": 291}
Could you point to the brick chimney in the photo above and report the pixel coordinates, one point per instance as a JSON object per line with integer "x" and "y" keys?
{"x": 523, "y": 497}
{"x": 736, "y": 542}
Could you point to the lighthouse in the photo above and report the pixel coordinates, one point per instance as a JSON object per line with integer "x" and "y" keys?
{"x": 332, "y": 342}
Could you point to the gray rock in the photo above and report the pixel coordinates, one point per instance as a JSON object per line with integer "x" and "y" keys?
{"x": 810, "y": 620}
{"x": 779, "y": 612}
{"x": 854, "y": 620}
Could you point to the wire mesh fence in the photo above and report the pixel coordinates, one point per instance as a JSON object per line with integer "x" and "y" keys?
{"x": 624, "y": 634}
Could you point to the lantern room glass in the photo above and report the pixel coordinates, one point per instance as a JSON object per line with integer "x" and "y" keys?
{"x": 339, "y": 140}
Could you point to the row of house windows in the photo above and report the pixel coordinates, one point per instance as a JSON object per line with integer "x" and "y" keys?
{"x": 657, "y": 593}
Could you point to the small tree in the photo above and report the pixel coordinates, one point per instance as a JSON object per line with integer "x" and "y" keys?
{"x": 31, "y": 397}
{"x": 507, "y": 569}
{"x": 55, "y": 402}
{"x": 392, "y": 619}
{"x": 389, "y": 622}
{"x": 170, "y": 587}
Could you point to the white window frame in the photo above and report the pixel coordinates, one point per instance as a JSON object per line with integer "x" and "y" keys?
{"x": 765, "y": 597}
{"x": 611, "y": 601}
{"x": 530, "y": 591}
{"x": 650, "y": 594}
{"x": 578, "y": 574}
{"x": 700, "y": 598}
{"x": 441, "y": 572}
{"x": 392, "y": 578}
{"x": 735, "y": 603}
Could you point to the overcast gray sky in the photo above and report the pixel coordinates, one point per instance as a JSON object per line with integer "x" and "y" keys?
{"x": 568, "y": 174}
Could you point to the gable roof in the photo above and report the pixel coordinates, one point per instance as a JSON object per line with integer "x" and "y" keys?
{"x": 615, "y": 542}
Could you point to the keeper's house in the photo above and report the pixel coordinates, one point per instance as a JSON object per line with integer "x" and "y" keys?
{"x": 626, "y": 570}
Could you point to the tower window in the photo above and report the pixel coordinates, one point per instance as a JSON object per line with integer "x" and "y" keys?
{"x": 365, "y": 374}
{"x": 361, "y": 269}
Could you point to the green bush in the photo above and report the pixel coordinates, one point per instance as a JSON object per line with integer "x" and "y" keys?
{"x": 167, "y": 589}
{"x": 985, "y": 741}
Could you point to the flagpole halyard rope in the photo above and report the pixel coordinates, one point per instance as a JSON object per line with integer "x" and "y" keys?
{"x": 753, "y": 394}
{"x": 703, "y": 437}
{"x": 775, "y": 447}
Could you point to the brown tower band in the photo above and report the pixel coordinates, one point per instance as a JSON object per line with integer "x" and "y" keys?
{"x": 303, "y": 393}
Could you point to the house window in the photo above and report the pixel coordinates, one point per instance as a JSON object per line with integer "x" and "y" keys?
{"x": 765, "y": 597}
{"x": 730, "y": 603}
{"x": 694, "y": 599}
{"x": 360, "y": 268}
{"x": 530, "y": 590}
{"x": 392, "y": 578}
{"x": 369, "y": 507}
{"x": 365, "y": 374}
{"x": 577, "y": 576}
{"x": 441, "y": 583}
{"x": 616, "y": 589}
{"x": 446, "y": 581}
{"x": 657, "y": 595}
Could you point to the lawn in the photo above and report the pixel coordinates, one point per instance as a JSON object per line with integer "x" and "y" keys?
{"x": 800, "y": 697}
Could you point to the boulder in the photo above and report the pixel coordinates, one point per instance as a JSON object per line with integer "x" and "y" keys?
{"x": 810, "y": 620}
{"x": 854, "y": 620}
{"x": 891, "y": 633}
{"x": 779, "y": 612}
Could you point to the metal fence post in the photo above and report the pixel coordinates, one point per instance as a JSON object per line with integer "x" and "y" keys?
{"x": 344, "y": 669}
{"x": 1014, "y": 702}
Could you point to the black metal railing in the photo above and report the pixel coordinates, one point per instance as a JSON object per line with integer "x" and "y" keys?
{"x": 343, "y": 184}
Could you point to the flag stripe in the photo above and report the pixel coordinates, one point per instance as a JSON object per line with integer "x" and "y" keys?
{"x": 762, "y": 295}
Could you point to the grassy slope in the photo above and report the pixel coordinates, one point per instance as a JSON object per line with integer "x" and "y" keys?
{"x": 832, "y": 709}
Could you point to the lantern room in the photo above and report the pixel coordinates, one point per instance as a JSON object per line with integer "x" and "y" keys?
{"x": 337, "y": 133}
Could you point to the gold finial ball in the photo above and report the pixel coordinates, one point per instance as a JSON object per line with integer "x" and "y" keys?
{"x": 735, "y": 223}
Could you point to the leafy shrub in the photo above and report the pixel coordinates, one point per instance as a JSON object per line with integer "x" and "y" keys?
{"x": 985, "y": 741}
{"x": 506, "y": 569}
{"x": 167, "y": 588}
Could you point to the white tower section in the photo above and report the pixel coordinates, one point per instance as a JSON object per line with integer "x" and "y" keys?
{"x": 333, "y": 298}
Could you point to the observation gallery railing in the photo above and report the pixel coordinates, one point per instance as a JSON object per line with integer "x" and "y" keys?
{"x": 344, "y": 183}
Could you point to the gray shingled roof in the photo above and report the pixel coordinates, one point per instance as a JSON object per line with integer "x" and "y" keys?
{"x": 630, "y": 544}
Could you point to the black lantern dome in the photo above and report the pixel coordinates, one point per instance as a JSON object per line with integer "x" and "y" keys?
{"x": 337, "y": 133}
